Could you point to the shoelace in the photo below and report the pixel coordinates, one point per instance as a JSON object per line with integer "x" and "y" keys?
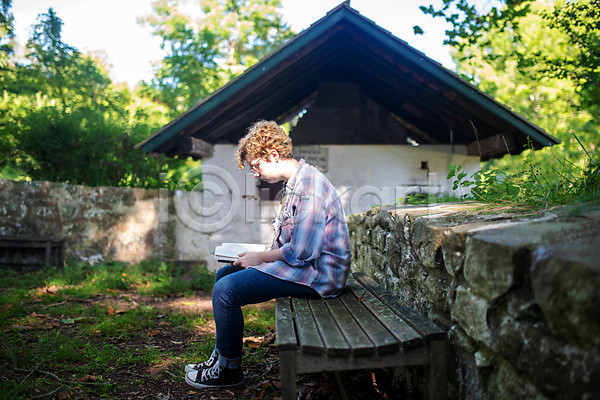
{"x": 208, "y": 363}
{"x": 210, "y": 373}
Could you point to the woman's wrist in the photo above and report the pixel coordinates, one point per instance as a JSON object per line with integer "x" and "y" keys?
{"x": 272, "y": 255}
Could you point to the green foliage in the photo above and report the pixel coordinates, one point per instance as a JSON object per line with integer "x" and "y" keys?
{"x": 208, "y": 49}
{"x": 7, "y": 33}
{"x": 537, "y": 58}
{"x": 62, "y": 119}
{"x": 579, "y": 22}
{"x": 469, "y": 26}
{"x": 532, "y": 186}
{"x": 147, "y": 277}
{"x": 427, "y": 198}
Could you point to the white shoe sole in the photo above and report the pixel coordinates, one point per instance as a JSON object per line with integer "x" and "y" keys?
{"x": 203, "y": 386}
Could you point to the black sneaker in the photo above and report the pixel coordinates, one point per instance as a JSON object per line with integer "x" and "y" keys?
{"x": 214, "y": 377}
{"x": 214, "y": 357}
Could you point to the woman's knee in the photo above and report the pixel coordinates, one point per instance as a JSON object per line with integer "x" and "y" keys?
{"x": 226, "y": 270}
{"x": 224, "y": 291}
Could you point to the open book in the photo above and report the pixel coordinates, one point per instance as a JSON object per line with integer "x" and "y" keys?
{"x": 228, "y": 252}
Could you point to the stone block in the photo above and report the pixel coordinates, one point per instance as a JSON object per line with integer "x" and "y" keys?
{"x": 565, "y": 279}
{"x": 453, "y": 246}
{"x": 556, "y": 369}
{"x": 488, "y": 268}
{"x": 437, "y": 290}
{"x": 384, "y": 219}
{"x": 378, "y": 238}
{"x": 469, "y": 382}
{"x": 426, "y": 241}
{"x": 509, "y": 384}
{"x": 498, "y": 253}
{"x": 471, "y": 313}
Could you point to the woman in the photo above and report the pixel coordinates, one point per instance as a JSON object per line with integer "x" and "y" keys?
{"x": 309, "y": 257}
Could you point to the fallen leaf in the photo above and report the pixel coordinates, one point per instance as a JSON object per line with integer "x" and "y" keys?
{"x": 51, "y": 290}
{"x": 49, "y": 325}
{"x": 109, "y": 310}
{"x": 253, "y": 342}
{"x": 8, "y": 306}
{"x": 89, "y": 378}
{"x": 153, "y": 332}
{"x": 192, "y": 392}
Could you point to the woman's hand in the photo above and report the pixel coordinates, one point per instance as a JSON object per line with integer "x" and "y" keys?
{"x": 250, "y": 258}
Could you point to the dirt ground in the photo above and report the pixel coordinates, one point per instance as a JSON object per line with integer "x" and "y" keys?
{"x": 166, "y": 382}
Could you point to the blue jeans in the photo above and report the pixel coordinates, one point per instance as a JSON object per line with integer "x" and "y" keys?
{"x": 235, "y": 287}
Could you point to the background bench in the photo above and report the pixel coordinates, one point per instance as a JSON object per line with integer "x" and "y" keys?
{"x": 365, "y": 327}
{"x": 27, "y": 251}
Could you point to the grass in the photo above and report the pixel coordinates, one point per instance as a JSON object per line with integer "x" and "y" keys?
{"x": 101, "y": 331}
{"x": 537, "y": 184}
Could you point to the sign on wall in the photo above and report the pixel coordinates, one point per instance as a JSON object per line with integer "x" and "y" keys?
{"x": 315, "y": 155}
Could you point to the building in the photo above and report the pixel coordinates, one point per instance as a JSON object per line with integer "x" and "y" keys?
{"x": 380, "y": 118}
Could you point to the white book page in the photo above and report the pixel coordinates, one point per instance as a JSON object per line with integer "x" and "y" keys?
{"x": 230, "y": 251}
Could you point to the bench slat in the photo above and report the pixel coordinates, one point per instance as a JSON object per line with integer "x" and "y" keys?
{"x": 362, "y": 328}
{"x": 425, "y": 327}
{"x": 382, "y": 339}
{"x": 334, "y": 341}
{"x": 407, "y": 336}
{"x": 308, "y": 334}
{"x": 357, "y": 339}
{"x": 284, "y": 325}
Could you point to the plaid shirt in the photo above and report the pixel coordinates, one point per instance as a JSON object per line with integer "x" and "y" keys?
{"x": 312, "y": 233}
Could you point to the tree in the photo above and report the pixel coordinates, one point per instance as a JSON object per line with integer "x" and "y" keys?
{"x": 576, "y": 25}
{"x": 63, "y": 120}
{"x": 579, "y": 21}
{"x": 206, "y": 51}
{"x": 541, "y": 60}
{"x": 6, "y": 32}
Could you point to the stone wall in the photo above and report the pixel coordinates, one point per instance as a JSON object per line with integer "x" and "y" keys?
{"x": 516, "y": 293}
{"x": 123, "y": 224}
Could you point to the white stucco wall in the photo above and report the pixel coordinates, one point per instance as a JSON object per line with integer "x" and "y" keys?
{"x": 229, "y": 210}
{"x": 368, "y": 175}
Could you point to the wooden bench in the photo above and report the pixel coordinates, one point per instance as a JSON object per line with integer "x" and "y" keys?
{"x": 12, "y": 250}
{"x": 365, "y": 327}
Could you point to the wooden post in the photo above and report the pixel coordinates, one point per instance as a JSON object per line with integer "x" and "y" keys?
{"x": 194, "y": 147}
{"x": 437, "y": 370}
{"x": 287, "y": 374}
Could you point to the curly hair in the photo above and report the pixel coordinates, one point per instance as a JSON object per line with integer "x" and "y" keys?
{"x": 261, "y": 137}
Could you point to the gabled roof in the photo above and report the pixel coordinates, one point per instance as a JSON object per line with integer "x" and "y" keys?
{"x": 434, "y": 103}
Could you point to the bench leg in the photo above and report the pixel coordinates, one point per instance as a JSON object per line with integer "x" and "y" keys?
{"x": 287, "y": 374}
{"x": 437, "y": 370}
